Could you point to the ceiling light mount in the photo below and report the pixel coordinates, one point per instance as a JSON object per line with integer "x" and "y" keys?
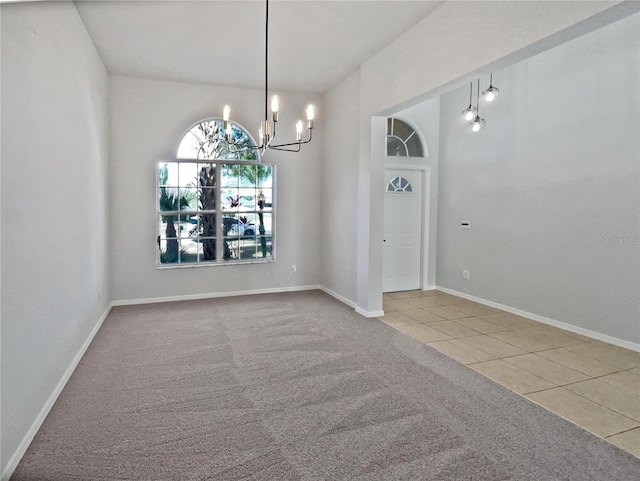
{"x": 267, "y": 130}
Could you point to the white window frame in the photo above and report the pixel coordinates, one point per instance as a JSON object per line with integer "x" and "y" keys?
{"x": 391, "y": 121}
{"x": 219, "y": 217}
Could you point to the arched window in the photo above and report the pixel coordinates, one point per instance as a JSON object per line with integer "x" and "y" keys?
{"x": 399, "y": 184}
{"x": 215, "y": 200}
{"x": 402, "y": 139}
{"x": 206, "y": 140}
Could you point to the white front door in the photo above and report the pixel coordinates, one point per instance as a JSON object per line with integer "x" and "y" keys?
{"x": 403, "y": 219}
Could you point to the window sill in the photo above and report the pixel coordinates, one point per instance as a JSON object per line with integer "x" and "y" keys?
{"x": 214, "y": 264}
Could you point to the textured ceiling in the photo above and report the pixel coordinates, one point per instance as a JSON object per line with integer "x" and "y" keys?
{"x": 312, "y": 44}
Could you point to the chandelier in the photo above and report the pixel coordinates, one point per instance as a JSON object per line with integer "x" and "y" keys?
{"x": 471, "y": 113}
{"x": 267, "y": 131}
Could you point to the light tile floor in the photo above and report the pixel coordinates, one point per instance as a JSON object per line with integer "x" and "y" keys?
{"x": 591, "y": 383}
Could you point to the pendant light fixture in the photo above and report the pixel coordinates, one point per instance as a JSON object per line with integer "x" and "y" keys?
{"x": 478, "y": 122}
{"x": 267, "y": 130}
{"x": 470, "y": 111}
{"x": 492, "y": 92}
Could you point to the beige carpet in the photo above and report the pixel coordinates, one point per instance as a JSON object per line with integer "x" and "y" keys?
{"x": 294, "y": 386}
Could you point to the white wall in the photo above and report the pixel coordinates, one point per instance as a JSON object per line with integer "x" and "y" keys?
{"x": 551, "y": 186}
{"x": 54, "y": 209}
{"x": 339, "y": 189}
{"x": 460, "y": 37}
{"x": 432, "y": 55}
{"x": 148, "y": 119}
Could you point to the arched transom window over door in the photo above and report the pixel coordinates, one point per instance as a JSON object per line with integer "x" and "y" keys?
{"x": 215, "y": 200}
{"x": 402, "y": 139}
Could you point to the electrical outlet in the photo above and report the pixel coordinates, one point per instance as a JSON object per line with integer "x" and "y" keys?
{"x": 465, "y": 275}
{"x": 293, "y": 268}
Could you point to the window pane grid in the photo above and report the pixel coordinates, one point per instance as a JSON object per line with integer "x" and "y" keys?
{"x": 202, "y": 224}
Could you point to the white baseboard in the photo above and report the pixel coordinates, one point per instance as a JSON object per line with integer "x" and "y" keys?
{"x": 337, "y": 296}
{"x": 212, "y": 295}
{"x": 546, "y": 320}
{"x": 430, "y": 288}
{"x": 364, "y": 313}
{"x": 15, "y": 458}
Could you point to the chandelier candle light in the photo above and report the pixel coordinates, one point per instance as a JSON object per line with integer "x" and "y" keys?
{"x": 267, "y": 130}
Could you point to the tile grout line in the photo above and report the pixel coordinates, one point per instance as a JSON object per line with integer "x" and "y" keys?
{"x": 622, "y": 432}
{"x": 603, "y": 405}
{"x": 525, "y": 394}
